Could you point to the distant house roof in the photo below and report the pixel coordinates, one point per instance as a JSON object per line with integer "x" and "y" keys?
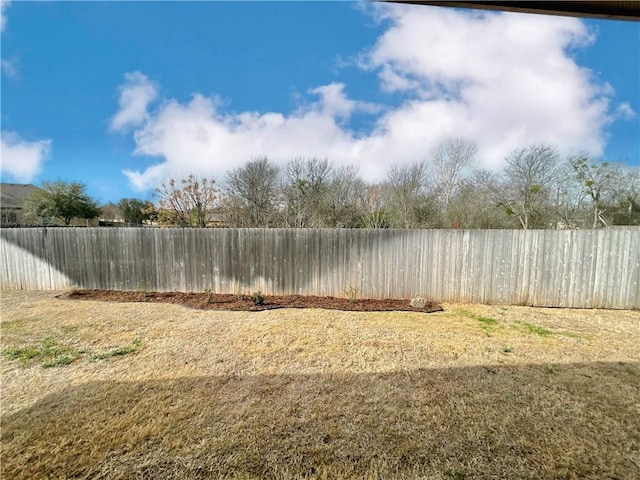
{"x": 13, "y": 194}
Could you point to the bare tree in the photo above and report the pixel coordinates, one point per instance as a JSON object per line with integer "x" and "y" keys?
{"x": 473, "y": 205}
{"x": 626, "y": 209}
{"x": 375, "y": 215}
{"x": 601, "y": 182}
{"x": 345, "y": 198}
{"x": 305, "y": 185}
{"x": 188, "y": 202}
{"x": 407, "y": 203}
{"x": 251, "y": 193}
{"x": 528, "y": 178}
{"x": 450, "y": 158}
{"x": 568, "y": 197}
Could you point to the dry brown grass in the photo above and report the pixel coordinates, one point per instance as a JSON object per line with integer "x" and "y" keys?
{"x": 474, "y": 392}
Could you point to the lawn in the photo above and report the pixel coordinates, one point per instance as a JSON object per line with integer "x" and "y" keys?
{"x": 146, "y": 390}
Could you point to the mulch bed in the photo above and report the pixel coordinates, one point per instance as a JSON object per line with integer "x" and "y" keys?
{"x": 244, "y": 303}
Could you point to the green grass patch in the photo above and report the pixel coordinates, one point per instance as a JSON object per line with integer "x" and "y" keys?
{"x": 455, "y": 474}
{"x": 461, "y": 312}
{"x": 487, "y": 324}
{"x": 69, "y": 328}
{"x": 48, "y": 352}
{"x": 62, "y": 360}
{"x": 75, "y": 328}
{"x": 537, "y": 330}
{"x": 118, "y": 352}
{"x": 17, "y": 324}
{"x": 488, "y": 321}
{"x": 23, "y": 354}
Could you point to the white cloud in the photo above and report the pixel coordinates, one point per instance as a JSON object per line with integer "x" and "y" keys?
{"x": 196, "y": 137}
{"x": 135, "y": 96}
{"x": 625, "y": 111}
{"x": 503, "y": 80}
{"x": 334, "y": 102}
{"x": 3, "y": 17}
{"x": 20, "y": 159}
{"x": 8, "y": 68}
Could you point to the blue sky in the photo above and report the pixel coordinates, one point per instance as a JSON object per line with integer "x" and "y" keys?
{"x": 120, "y": 95}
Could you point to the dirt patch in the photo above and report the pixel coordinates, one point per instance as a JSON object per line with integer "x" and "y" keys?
{"x": 245, "y": 303}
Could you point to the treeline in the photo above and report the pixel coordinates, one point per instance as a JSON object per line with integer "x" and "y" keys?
{"x": 536, "y": 189}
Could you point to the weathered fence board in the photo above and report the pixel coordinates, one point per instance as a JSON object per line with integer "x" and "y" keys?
{"x": 561, "y": 268}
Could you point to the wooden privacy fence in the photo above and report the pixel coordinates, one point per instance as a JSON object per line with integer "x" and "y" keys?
{"x": 559, "y": 268}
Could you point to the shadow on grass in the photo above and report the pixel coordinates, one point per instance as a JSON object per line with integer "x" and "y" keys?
{"x": 532, "y": 421}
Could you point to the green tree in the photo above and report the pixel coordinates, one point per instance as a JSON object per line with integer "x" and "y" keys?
{"x": 134, "y": 210}
{"x": 61, "y": 200}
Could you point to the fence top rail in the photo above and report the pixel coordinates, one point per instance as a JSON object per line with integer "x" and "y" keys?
{"x": 614, "y": 228}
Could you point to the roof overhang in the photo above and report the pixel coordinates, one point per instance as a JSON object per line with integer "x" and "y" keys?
{"x": 613, "y": 10}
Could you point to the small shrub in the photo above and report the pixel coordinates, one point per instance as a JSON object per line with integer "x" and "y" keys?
{"x": 239, "y": 293}
{"x": 418, "y": 302}
{"x": 144, "y": 289}
{"x": 351, "y": 293}
{"x": 209, "y": 293}
{"x": 257, "y": 298}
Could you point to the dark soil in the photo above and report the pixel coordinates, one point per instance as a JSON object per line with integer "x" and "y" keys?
{"x": 244, "y": 303}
